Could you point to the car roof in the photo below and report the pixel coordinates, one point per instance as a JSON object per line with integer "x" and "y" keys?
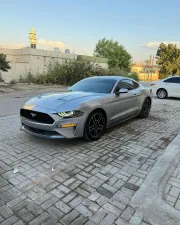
{"x": 107, "y": 77}
{"x": 172, "y": 77}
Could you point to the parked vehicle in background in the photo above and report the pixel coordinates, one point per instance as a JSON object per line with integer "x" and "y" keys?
{"x": 169, "y": 87}
{"x": 87, "y": 109}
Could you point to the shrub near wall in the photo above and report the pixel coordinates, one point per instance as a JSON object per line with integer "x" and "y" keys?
{"x": 71, "y": 72}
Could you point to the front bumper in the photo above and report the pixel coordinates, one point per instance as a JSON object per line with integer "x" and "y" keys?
{"x": 54, "y": 131}
{"x": 40, "y": 133}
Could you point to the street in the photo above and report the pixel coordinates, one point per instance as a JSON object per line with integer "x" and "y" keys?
{"x": 76, "y": 182}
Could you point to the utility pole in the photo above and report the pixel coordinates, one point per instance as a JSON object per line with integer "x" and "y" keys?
{"x": 149, "y": 69}
{"x": 152, "y": 66}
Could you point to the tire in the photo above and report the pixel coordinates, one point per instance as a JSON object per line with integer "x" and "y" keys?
{"x": 145, "y": 108}
{"x": 162, "y": 93}
{"x": 95, "y": 126}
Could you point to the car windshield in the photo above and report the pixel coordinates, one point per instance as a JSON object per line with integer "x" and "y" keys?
{"x": 97, "y": 85}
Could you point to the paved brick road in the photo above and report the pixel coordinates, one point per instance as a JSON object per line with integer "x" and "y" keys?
{"x": 75, "y": 182}
{"x": 173, "y": 189}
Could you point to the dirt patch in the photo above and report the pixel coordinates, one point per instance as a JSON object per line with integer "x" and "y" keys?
{"x": 7, "y": 88}
{"x": 166, "y": 141}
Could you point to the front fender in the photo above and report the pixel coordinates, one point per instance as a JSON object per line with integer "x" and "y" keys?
{"x": 89, "y": 107}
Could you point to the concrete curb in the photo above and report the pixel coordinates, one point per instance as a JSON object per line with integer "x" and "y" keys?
{"x": 148, "y": 200}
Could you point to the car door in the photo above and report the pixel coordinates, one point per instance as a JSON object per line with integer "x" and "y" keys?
{"x": 177, "y": 87}
{"x": 124, "y": 105}
{"x": 171, "y": 86}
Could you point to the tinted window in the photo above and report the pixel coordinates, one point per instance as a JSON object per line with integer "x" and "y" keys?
{"x": 170, "y": 80}
{"x": 128, "y": 84}
{"x": 177, "y": 80}
{"x": 97, "y": 85}
{"x": 136, "y": 85}
{"x": 119, "y": 86}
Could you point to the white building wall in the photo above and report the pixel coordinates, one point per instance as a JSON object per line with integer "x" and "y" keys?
{"x": 27, "y": 60}
{"x": 103, "y": 65}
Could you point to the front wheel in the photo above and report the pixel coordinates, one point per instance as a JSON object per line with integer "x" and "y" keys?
{"x": 95, "y": 126}
{"x": 145, "y": 108}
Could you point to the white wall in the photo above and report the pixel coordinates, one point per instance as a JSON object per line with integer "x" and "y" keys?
{"x": 27, "y": 60}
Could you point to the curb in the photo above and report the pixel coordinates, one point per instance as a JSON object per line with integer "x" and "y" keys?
{"x": 148, "y": 200}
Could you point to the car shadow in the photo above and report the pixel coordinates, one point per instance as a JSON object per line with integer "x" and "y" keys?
{"x": 119, "y": 125}
{"x": 169, "y": 98}
{"x": 76, "y": 141}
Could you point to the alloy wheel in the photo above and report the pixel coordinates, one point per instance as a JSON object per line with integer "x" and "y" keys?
{"x": 162, "y": 94}
{"x": 146, "y": 107}
{"x": 96, "y": 125}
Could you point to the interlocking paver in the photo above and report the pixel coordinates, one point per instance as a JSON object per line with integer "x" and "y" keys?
{"x": 49, "y": 202}
{"x": 10, "y": 221}
{"x": 42, "y": 219}
{"x": 173, "y": 189}
{"x": 70, "y": 217}
{"x": 99, "y": 215}
{"x": 92, "y": 183}
{"x": 34, "y": 209}
{"x": 127, "y": 214}
{"x": 63, "y": 207}
{"x": 53, "y": 211}
{"x": 121, "y": 221}
{"x": 80, "y": 220}
{"x": 20, "y": 222}
{"x": 1, "y": 219}
{"x": 25, "y": 215}
{"x": 113, "y": 209}
{"x": 103, "y": 191}
{"x": 109, "y": 219}
{"x": 76, "y": 201}
{"x": 5, "y": 211}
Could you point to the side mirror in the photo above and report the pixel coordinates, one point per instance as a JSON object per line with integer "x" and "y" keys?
{"x": 122, "y": 91}
{"x": 69, "y": 89}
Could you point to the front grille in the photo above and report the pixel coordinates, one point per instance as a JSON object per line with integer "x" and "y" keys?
{"x": 39, "y": 131}
{"x": 37, "y": 116}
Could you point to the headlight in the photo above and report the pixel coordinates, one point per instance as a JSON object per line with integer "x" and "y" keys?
{"x": 70, "y": 114}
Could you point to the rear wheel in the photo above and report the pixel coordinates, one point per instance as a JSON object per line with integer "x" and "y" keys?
{"x": 162, "y": 93}
{"x": 95, "y": 126}
{"x": 145, "y": 109}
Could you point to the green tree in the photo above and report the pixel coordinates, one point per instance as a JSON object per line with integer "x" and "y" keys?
{"x": 116, "y": 54}
{"x": 168, "y": 59}
{"x": 4, "y": 64}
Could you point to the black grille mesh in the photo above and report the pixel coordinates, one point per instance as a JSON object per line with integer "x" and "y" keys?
{"x": 37, "y": 116}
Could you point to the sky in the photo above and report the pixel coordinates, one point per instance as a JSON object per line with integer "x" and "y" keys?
{"x": 140, "y": 26}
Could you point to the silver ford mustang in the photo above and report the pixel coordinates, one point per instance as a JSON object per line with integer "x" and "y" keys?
{"x": 90, "y": 106}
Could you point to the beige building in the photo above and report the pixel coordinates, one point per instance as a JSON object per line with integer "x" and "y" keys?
{"x": 146, "y": 73}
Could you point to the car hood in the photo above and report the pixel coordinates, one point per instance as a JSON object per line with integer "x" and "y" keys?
{"x": 62, "y": 101}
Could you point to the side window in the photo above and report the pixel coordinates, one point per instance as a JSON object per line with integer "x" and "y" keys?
{"x": 177, "y": 80}
{"x": 136, "y": 85}
{"x": 170, "y": 80}
{"x": 129, "y": 84}
{"x": 119, "y": 86}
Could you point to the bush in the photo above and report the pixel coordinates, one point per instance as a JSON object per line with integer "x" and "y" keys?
{"x": 12, "y": 82}
{"x": 134, "y": 75}
{"x": 117, "y": 72}
{"x": 162, "y": 76}
{"x": 71, "y": 72}
{"x": 1, "y": 79}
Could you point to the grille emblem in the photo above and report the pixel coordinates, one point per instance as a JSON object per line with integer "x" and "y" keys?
{"x": 33, "y": 114}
